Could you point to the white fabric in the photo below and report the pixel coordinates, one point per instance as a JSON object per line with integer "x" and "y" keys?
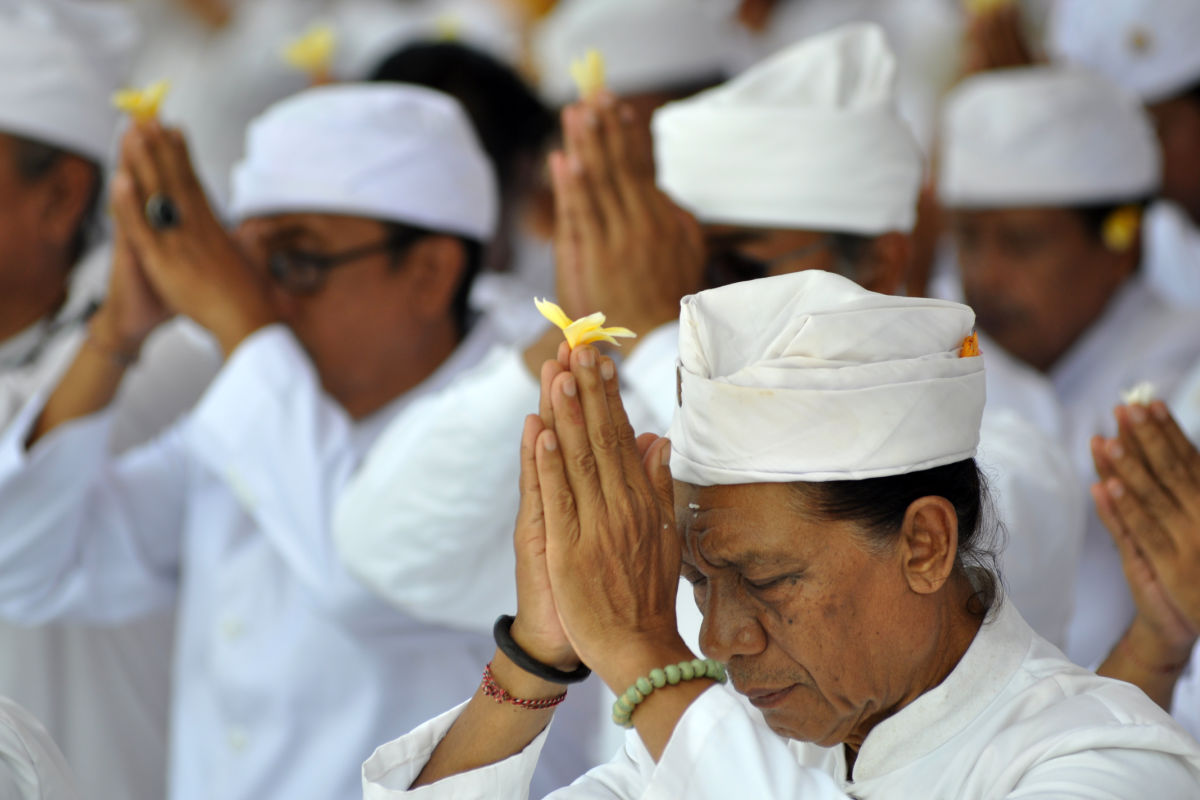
{"x": 61, "y": 61}
{"x": 282, "y": 659}
{"x": 1138, "y": 338}
{"x": 810, "y": 377}
{"x": 647, "y": 45}
{"x": 1013, "y": 719}
{"x": 392, "y": 152}
{"x": 1185, "y": 404}
{"x": 31, "y": 765}
{"x": 1041, "y": 136}
{"x": 1172, "y": 254}
{"x": 84, "y": 682}
{"x": 783, "y": 144}
{"x": 1147, "y": 46}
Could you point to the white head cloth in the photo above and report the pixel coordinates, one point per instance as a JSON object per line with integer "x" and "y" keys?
{"x": 647, "y": 45}
{"x": 808, "y": 139}
{"x": 61, "y": 62}
{"x": 1147, "y": 46}
{"x": 1044, "y": 136}
{"x": 392, "y": 152}
{"x": 810, "y": 377}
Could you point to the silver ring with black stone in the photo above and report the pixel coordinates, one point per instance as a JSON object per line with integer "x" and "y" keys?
{"x": 161, "y": 212}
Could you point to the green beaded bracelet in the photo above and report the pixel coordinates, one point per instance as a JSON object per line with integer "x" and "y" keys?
{"x": 670, "y": 675}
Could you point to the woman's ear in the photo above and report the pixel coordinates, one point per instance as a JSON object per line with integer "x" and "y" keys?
{"x": 929, "y": 543}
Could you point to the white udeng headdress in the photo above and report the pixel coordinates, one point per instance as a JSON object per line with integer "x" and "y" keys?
{"x": 810, "y": 377}
{"x": 393, "y": 152}
{"x": 809, "y": 139}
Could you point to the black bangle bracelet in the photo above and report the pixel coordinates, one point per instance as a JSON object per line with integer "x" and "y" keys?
{"x": 502, "y": 633}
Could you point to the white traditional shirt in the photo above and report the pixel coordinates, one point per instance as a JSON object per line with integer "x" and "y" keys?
{"x": 443, "y": 550}
{"x": 1138, "y": 338}
{"x": 1173, "y": 255}
{"x": 84, "y": 682}
{"x": 1013, "y": 719}
{"x": 31, "y": 765}
{"x": 286, "y": 670}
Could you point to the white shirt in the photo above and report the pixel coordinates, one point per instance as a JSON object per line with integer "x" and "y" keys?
{"x": 1139, "y": 337}
{"x": 31, "y": 765}
{"x": 445, "y": 554}
{"x": 286, "y": 670}
{"x": 84, "y": 682}
{"x": 1013, "y": 719}
{"x": 1173, "y": 255}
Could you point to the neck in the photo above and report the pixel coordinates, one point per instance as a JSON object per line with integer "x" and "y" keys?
{"x": 958, "y": 624}
{"x": 22, "y": 306}
{"x": 396, "y": 371}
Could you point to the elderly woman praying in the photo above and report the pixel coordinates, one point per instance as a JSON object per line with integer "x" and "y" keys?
{"x": 818, "y": 490}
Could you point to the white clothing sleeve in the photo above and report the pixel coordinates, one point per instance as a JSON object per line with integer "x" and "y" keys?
{"x": 713, "y": 733}
{"x": 285, "y": 450}
{"x": 85, "y": 537}
{"x": 427, "y": 521}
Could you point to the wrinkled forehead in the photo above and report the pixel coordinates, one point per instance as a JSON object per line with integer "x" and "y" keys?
{"x": 740, "y": 522}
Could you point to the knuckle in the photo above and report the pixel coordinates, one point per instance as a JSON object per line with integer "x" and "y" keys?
{"x": 607, "y": 438}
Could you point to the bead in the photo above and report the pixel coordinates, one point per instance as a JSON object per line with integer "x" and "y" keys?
{"x": 686, "y": 670}
{"x": 624, "y": 705}
{"x": 672, "y": 671}
{"x": 644, "y": 685}
{"x": 624, "y": 720}
{"x": 658, "y": 678}
{"x": 633, "y": 695}
{"x": 698, "y": 667}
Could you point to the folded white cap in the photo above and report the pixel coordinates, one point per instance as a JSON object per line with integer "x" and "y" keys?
{"x": 60, "y": 63}
{"x": 647, "y": 45}
{"x": 1048, "y": 136}
{"x": 810, "y": 377}
{"x": 393, "y": 152}
{"x": 808, "y": 139}
{"x": 1147, "y": 46}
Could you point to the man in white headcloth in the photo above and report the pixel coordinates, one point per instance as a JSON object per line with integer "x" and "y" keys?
{"x": 362, "y": 212}
{"x": 62, "y": 61}
{"x": 823, "y": 500}
{"x": 1045, "y": 171}
{"x": 1149, "y": 47}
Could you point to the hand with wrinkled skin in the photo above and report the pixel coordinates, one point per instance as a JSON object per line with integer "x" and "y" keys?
{"x": 622, "y": 247}
{"x": 1148, "y": 497}
{"x": 195, "y": 268}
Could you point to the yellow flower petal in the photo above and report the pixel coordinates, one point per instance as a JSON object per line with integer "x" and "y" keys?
{"x": 312, "y": 52}
{"x": 588, "y": 73}
{"x": 142, "y": 104}
{"x": 552, "y": 312}
{"x": 584, "y": 330}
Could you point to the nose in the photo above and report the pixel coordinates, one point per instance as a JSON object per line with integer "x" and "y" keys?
{"x": 730, "y": 627}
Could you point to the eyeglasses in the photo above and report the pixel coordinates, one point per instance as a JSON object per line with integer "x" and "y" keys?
{"x": 303, "y": 272}
{"x": 726, "y": 265}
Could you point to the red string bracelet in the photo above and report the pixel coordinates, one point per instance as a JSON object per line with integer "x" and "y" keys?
{"x": 494, "y": 691}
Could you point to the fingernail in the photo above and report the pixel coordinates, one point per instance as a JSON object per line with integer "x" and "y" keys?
{"x": 607, "y": 370}
{"x": 575, "y": 164}
{"x": 666, "y": 455}
{"x": 589, "y": 118}
{"x": 1159, "y": 409}
{"x": 1137, "y": 413}
{"x": 569, "y": 386}
{"x": 1115, "y": 450}
{"x": 1115, "y": 488}
{"x": 587, "y": 357}
{"x": 550, "y": 442}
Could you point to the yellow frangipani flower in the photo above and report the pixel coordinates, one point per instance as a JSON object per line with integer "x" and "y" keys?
{"x": 1121, "y": 227}
{"x": 588, "y": 73}
{"x": 984, "y": 6}
{"x": 313, "y": 51}
{"x": 584, "y": 330}
{"x": 142, "y": 104}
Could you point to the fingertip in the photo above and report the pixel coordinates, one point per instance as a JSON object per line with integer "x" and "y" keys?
{"x": 1160, "y": 411}
{"x": 1114, "y": 488}
{"x": 548, "y": 441}
{"x": 608, "y": 370}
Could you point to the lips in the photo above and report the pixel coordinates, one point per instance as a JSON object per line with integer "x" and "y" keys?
{"x": 769, "y": 698}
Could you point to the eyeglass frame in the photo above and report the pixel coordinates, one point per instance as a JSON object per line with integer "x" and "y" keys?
{"x": 398, "y": 240}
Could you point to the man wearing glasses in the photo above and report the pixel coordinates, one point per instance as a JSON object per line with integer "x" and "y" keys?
{"x": 339, "y": 300}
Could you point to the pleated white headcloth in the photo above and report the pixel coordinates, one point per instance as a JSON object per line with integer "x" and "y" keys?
{"x": 1044, "y": 136}
{"x": 60, "y": 62}
{"x": 392, "y": 152}
{"x": 809, "y": 139}
{"x": 1147, "y": 46}
{"x": 810, "y": 377}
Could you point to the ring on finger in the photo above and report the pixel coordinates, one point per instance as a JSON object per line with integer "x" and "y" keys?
{"x": 161, "y": 212}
